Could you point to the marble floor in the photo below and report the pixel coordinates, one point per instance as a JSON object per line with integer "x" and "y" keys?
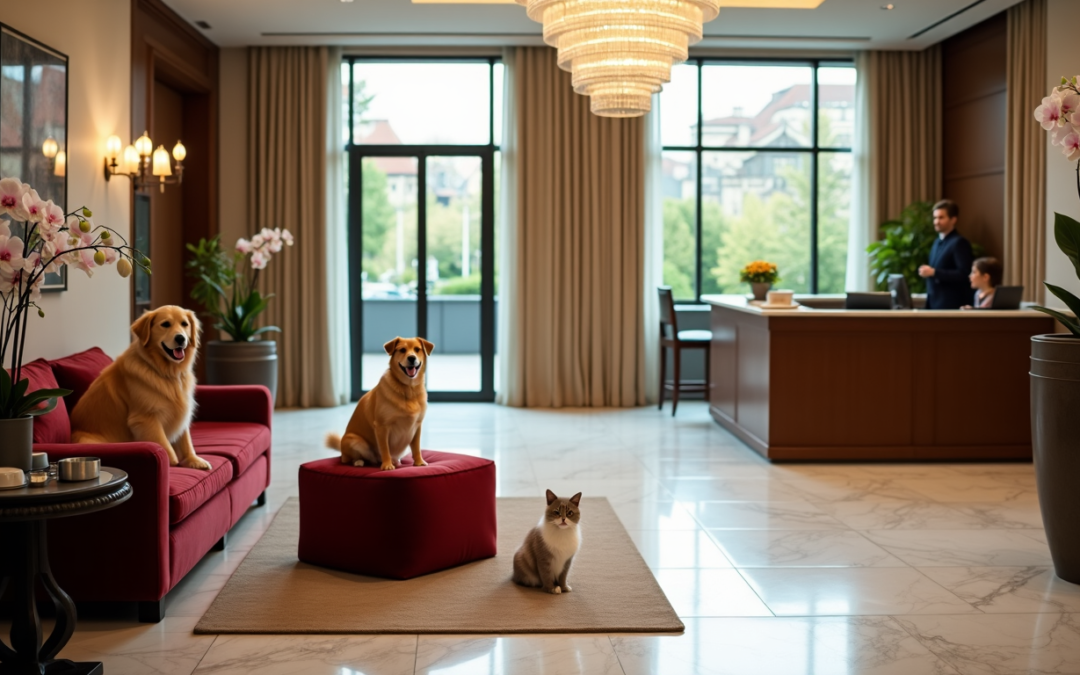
{"x": 900, "y": 568}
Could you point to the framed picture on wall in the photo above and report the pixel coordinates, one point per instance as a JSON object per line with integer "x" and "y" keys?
{"x": 33, "y": 122}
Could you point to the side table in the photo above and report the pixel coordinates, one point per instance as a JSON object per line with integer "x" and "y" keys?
{"x": 24, "y": 560}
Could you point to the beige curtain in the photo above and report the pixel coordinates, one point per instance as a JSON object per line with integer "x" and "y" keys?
{"x": 580, "y": 228}
{"x": 287, "y": 169}
{"x": 904, "y": 130}
{"x": 1025, "y": 150}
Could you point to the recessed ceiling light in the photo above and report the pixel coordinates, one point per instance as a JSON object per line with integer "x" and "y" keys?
{"x": 888, "y": 6}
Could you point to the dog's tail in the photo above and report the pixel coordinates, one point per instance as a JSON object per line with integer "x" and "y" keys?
{"x": 333, "y": 441}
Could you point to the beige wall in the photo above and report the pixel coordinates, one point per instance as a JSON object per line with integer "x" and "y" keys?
{"x": 233, "y": 157}
{"x": 96, "y": 36}
{"x": 1062, "y": 59}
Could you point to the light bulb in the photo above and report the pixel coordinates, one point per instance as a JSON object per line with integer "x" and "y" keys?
{"x": 179, "y": 152}
{"x": 49, "y": 148}
{"x": 113, "y": 146}
{"x": 161, "y": 162}
{"x": 131, "y": 160}
{"x": 144, "y": 145}
{"x": 61, "y": 164}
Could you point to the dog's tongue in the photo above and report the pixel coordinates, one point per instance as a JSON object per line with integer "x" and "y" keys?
{"x": 411, "y": 371}
{"x": 178, "y": 354}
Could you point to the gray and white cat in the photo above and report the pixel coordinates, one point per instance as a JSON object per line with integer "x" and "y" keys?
{"x": 543, "y": 561}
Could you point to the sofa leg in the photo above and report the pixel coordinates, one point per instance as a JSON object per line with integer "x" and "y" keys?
{"x": 261, "y": 501}
{"x": 220, "y": 545}
{"x": 151, "y": 611}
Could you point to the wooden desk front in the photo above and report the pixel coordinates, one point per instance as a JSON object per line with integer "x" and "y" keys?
{"x": 872, "y": 385}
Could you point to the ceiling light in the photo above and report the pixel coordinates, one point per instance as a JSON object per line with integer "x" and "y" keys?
{"x": 620, "y": 52}
{"x": 754, "y": 4}
{"x": 888, "y": 6}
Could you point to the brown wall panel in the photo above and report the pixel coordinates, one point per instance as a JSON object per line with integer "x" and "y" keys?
{"x": 973, "y": 153}
{"x": 167, "y": 208}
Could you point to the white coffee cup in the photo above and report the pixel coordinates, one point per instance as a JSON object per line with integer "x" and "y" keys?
{"x": 779, "y": 298}
{"x": 11, "y": 477}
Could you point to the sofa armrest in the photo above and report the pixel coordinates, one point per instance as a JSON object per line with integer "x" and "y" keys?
{"x": 234, "y": 403}
{"x": 131, "y": 541}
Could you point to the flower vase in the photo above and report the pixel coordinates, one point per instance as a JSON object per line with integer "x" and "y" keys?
{"x": 17, "y": 442}
{"x": 760, "y": 290}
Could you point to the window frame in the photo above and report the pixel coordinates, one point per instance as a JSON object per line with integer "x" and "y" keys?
{"x": 813, "y": 151}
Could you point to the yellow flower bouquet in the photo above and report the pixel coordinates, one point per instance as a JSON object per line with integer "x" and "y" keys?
{"x": 760, "y": 272}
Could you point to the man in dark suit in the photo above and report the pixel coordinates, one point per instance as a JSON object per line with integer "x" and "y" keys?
{"x": 947, "y": 284}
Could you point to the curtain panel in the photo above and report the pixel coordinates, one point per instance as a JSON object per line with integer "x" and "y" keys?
{"x": 287, "y": 187}
{"x": 578, "y": 319}
{"x": 1025, "y": 150}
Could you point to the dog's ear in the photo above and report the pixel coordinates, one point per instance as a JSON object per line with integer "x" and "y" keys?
{"x": 428, "y": 347}
{"x": 391, "y": 346}
{"x": 576, "y": 499}
{"x": 140, "y": 330}
{"x": 551, "y": 497}
{"x": 196, "y": 328}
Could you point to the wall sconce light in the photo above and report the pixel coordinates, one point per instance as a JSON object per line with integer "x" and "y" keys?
{"x": 141, "y": 163}
{"x": 57, "y": 157}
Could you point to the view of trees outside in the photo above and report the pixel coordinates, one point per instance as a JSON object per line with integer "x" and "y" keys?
{"x": 756, "y": 204}
{"x": 405, "y": 103}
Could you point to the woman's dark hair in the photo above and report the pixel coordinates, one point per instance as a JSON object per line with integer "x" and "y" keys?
{"x": 948, "y": 206}
{"x": 992, "y": 267}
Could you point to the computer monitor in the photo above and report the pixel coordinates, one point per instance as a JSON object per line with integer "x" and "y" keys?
{"x": 857, "y": 300}
{"x": 1007, "y": 297}
{"x": 901, "y": 296}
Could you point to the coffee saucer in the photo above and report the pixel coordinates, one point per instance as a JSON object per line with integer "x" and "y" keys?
{"x": 766, "y": 305}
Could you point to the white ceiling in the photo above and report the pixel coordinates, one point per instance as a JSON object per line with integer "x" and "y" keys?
{"x": 835, "y": 24}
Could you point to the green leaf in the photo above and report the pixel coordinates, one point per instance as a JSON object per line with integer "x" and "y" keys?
{"x": 1070, "y": 300}
{"x": 267, "y": 329}
{"x": 1066, "y": 321}
{"x": 1067, "y": 236}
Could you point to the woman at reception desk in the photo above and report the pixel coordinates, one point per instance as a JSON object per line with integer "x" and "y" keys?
{"x": 820, "y": 382}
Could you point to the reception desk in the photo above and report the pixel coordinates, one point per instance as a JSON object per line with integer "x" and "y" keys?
{"x": 825, "y": 383}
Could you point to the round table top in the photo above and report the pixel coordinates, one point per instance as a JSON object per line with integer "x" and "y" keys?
{"x": 60, "y": 498}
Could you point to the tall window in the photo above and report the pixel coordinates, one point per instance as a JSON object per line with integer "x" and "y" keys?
{"x": 756, "y": 165}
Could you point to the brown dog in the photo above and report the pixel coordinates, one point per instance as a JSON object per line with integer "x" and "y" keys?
{"x": 148, "y": 394}
{"x": 388, "y": 418}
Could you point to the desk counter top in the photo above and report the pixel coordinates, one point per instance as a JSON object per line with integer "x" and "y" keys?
{"x": 742, "y": 303}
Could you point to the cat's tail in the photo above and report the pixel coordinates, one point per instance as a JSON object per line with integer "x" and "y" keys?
{"x": 333, "y": 441}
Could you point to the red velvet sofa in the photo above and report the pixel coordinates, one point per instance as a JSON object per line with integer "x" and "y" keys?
{"x": 141, "y": 549}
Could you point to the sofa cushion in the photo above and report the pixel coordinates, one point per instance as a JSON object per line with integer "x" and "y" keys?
{"x": 55, "y": 427}
{"x": 191, "y": 488}
{"x": 241, "y": 443}
{"x": 78, "y": 371}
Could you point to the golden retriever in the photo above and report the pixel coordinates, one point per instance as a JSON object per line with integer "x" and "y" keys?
{"x": 387, "y": 420}
{"x": 148, "y": 394}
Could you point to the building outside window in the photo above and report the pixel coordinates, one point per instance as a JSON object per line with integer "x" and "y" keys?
{"x": 756, "y": 165}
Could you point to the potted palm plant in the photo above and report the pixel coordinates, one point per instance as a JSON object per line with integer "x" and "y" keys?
{"x": 1055, "y": 365}
{"x": 226, "y": 285}
{"x": 38, "y": 238}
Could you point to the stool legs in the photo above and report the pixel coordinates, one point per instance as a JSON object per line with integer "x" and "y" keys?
{"x": 663, "y": 374}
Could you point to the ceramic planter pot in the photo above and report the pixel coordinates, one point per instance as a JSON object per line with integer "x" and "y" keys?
{"x": 760, "y": 290}
{"x": 17, "y": 442}
{"x": 252, "y": 362}
{"x": 1055, "y": 398}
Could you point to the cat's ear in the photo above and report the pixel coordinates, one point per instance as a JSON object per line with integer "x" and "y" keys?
{"x": 551, "y": 497}
{"x": 576, "y": 499}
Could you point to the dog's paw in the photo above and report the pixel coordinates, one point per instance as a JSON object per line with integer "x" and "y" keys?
{"x": 566, "y": 588}
{"x": 358, "y": 462}
{"x": 557, "y": 590}
{"x": 196, "y": 462}
{"x": 389, "y": 466}
{"x": 419, "y": 462}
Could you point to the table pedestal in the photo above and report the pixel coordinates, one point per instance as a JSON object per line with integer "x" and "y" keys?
{"x": 24, "y": 561}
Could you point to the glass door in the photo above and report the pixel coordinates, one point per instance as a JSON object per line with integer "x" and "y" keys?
{"x": 422, "y": 264}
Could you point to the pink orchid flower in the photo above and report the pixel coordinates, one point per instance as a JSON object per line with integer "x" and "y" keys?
{"x": 11, "y": 255}
{"x": 1049, "y": 112}
{"x": 34, "y": 206}
{"x": 1070, "y": 103}
{"x": 243, "y": 246}
{"x": 287, "y": 237}
{"x": 52, "y": 217}
{"x": 259, "y": 260}
{"x": 11, "y": 194}
{"x": 1070, "y": 145}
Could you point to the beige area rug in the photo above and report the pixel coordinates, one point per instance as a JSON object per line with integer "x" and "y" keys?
{"x": 614, "y": 590}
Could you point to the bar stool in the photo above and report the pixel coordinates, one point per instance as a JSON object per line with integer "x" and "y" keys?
{"x": 677, "y": 340}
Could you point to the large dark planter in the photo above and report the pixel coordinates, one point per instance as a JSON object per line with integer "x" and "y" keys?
{"x": 252, "y": 362}
{"x": 1055, "y": 402}
{"x": 17, "y": 442}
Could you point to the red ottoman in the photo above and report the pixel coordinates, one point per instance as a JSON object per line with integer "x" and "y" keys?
{"x": 397, "y": 524}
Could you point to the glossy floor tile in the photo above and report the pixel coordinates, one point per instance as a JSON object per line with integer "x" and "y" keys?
{"x": 891, "y": 569}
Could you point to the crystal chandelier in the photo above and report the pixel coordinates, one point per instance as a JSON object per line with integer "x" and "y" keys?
{"x": 620, "y": 52}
